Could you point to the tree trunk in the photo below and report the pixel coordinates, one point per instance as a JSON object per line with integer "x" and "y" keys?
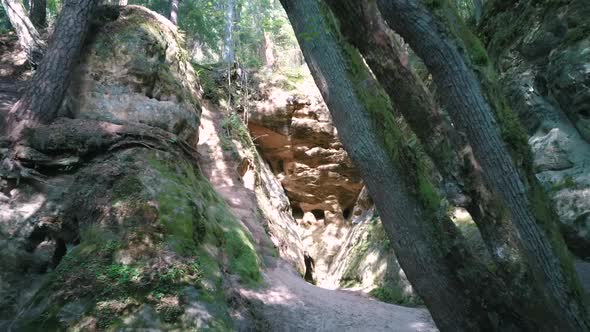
{"x": 428, "y": 246}
{"x": 387, "y": 57}
{"x": 38, "y": 13}
{"x": 174, "y": 11}
{"x": 228, "y": 53}
{"x": 42, "y": 99}
{"x": 269, "y": 50}
{"x": 547, "y": 261}
{"x": 28, "y": 36}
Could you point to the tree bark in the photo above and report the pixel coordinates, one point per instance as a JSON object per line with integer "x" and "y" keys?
{"x": 27, "y": 34}
{"x": 428, "y": 246}
{"x": 268, "y": 50}
{"x": 42, "y": 99}
{"x": 174, "y": 11}
{"x": 388, "y": 58}
{"x": 521, "y": 197}
{"x": 38, "y": 13}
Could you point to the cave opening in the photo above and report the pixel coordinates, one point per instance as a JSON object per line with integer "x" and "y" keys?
{"x": 318, "y": 214}
{"x": 297, "y": 211}
{"x": 347, "y": 213}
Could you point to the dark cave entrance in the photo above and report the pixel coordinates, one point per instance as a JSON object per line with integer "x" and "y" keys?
{"x": 318, "y": 214}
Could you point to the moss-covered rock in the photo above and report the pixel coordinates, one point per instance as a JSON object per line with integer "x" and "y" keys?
{"x": 138, "y": 238}
{"x": 155, "y": 239}
{"x": 136, "y": 70}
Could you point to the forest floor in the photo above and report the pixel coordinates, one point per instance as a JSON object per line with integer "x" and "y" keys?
{"x": 287, "y": 302}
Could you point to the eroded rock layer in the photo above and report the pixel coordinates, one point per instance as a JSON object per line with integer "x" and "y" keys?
{"x": 294, "y": 130}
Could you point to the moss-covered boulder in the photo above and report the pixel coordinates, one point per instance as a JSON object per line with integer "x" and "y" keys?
{"x": 135, "y": 70}
{"x": 124, "y": 232}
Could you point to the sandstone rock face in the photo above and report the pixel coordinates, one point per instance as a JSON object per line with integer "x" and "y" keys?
{"x": 545, "y": 70}
{"x": 294, "y": 131}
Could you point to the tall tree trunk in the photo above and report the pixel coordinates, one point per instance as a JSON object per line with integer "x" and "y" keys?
{"x": 388, "y": 58}
{"x": 228, "y": 53}
{"x": 174, "y": 11}
{"x": 27, "y": 34}
{"x": 38, "y": 13}
{"x": 43, "y": 97}
{"x": 268, "y": 50}
{"x": 472, "y": 107}
{"x": 427, "y": 244}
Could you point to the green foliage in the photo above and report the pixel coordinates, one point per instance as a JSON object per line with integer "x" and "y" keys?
{"x": 234, "y": 128}
{"x": 204, "y": 23}
{"x": 565, "y": 183}
{"x": 376, "y": 240}
{"x": 393, "y": 295}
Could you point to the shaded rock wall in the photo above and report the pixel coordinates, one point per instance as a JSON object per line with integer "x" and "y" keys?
{"x": 544, "y": 59}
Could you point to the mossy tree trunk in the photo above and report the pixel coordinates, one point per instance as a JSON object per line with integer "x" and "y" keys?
{"x": 388, "y": 58}
{"x": 429, "y": 247}
{"x": 27, "y": 34}
{"x": 43, "y": 97}
{"x": 477, "y": 108}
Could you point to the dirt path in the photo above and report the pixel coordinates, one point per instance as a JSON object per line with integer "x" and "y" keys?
{"x": 288, "y": 302}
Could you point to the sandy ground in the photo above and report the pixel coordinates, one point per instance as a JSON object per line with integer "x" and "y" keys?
{"x": 288, "y": 303}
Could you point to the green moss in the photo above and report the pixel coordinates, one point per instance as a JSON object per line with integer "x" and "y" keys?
{"x": 393, "y": 295}
{"x": 434, "y": 4}
{"x": 575, "y": 35}
{"x": 375, "y": 240}
{"x": 194, "y": 214}
{"x": 195, "y": 223}
{"x": 126, "y": 187}
{"x": 547, "y": 218}
{"x": 565, "y": 183}
{"x": 90, "y": 274}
